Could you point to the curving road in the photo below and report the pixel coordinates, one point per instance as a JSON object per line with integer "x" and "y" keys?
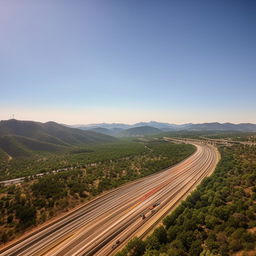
{"x": 102, "y": 226}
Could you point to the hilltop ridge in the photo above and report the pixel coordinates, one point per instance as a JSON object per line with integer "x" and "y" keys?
{"x": 20, "y": 138}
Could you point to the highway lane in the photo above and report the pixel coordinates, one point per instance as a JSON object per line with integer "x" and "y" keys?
{"x": 172, "y": 198}
{"x": 169, "y": 198}
{"x": 116, "y": 216}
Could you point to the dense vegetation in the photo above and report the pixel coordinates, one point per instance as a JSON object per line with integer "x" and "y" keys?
{"x": 227, "y": 135}
{"x": 235, "y": 136}
{"x": 91, "y": 170}
{"x": 72, "y": 158}
{"x": 219, "y": 218}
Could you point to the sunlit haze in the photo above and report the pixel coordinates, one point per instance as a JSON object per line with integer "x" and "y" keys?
{"x": 80, "y": 62}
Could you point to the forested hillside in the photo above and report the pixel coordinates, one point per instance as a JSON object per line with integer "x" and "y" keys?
{"x": 27, "y": 138}
{"x": 219, "y": 218}
{"x": 139, "y": 131}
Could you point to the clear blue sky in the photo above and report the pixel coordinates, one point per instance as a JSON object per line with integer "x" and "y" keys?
{"x": 78, "y": 61}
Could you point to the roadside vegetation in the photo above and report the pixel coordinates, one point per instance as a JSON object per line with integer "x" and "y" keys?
{"x": 235, "y": 136}
{"x": 91, "y": 170}
{"x": 227, "y": 135}
{"x": 218, "y": 218}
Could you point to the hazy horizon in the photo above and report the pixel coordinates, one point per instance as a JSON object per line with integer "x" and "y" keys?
{"x": 127, "y": 116}
{"x": 89, "y": 62}
{"x": 126, "y": 123}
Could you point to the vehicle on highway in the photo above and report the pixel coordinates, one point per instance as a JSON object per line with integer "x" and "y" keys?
{"x": 115, "y": 244}
{"x": 154, "y": 205}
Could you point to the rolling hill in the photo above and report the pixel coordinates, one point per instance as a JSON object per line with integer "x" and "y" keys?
{"x": 111, "y": 132}
{"x": 140, "y": 131}
{"x": 21, "y": 138}
{"x": 16, "y": 146}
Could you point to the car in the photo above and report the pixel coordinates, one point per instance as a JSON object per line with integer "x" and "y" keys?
{"x": 116, "y": 244}
{"x": 154, "y": 205}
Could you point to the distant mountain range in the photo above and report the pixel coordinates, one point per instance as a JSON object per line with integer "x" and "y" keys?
{"x": 116, "y": 129}
{"x": 23, "y": 138}
{"x": 120, "y": 126}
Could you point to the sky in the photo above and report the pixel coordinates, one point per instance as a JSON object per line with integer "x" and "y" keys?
{"x": 93, "y": 61}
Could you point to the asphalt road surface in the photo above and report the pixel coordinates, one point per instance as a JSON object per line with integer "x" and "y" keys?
{"x": 104, "y": 225}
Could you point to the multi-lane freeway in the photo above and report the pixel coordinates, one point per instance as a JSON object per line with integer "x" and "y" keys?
{"x": 104, "y": 225}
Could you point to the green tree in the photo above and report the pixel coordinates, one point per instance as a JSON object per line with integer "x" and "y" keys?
{"x": 135, "y": 247}
{"x": 152, "y": 243}
{"x": 26, "y": 215}
{"x": 211, "y": 221}
{"x": 195, "y": 248}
